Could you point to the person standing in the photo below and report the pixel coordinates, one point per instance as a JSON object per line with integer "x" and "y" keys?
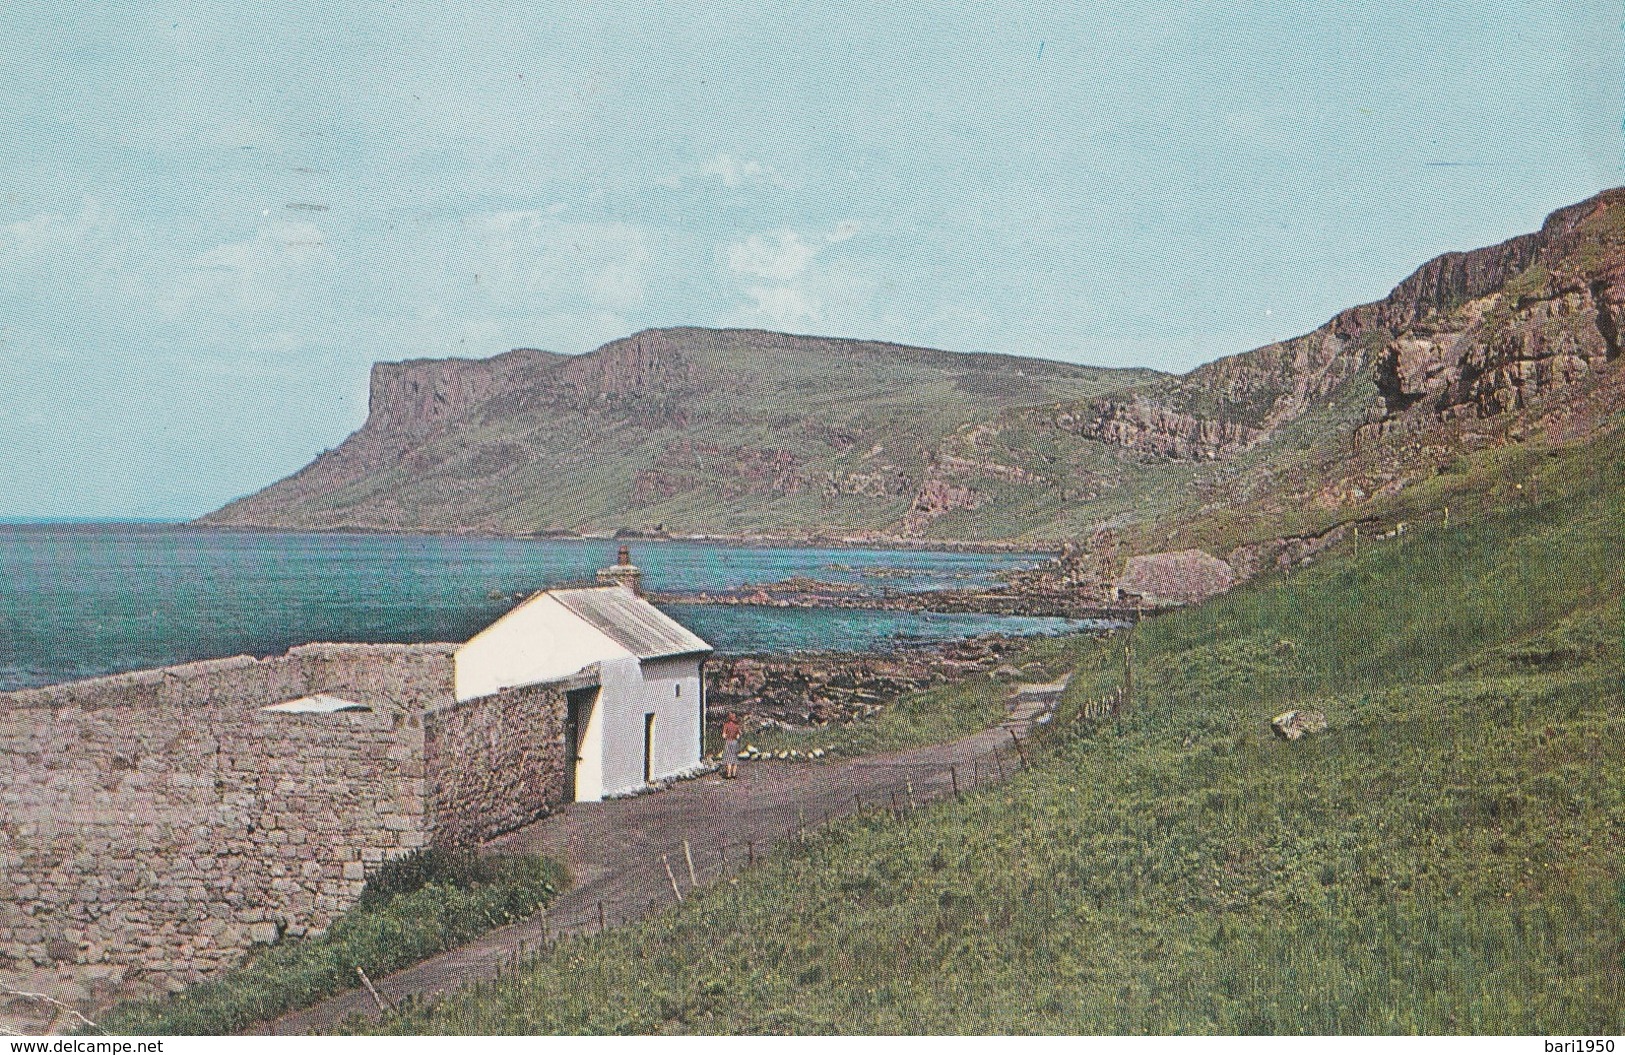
{"x": 730, "y": 746}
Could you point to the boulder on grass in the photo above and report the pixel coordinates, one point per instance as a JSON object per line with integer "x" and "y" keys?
{"x": 1295, "y": 725}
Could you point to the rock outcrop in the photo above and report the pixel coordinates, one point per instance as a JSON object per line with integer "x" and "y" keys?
{"x": 1295, "y": 725}
{"x": 937, "y": 496}
{"x": 824, "y": 689}
{"x": 1473, "y": 334}
{"x": 1183, "y": 577}
{"x": 1146, "y": 427}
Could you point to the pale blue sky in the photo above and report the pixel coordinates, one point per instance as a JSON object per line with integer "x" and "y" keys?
{"x": 214, "y": 217}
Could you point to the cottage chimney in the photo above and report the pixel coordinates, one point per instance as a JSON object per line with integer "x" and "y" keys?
{"x": 623, "y": 572}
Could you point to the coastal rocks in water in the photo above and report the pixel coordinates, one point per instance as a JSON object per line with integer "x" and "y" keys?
{"x": 1296, "y": 724}
{"x": 798, "y": 691}
{"x": 1183, "y": 577}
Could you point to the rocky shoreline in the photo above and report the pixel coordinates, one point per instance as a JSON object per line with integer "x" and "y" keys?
{"x": 1057, "y": 605}
{"x": 809, "y": 541}
{"x": 834, "y": 688}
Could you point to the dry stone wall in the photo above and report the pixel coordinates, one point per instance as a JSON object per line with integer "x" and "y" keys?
{"x": 160, "y": 823}
{"x": 494, "y": 763}
{"x": 156, "y": 825}
{"x": 404, "y": 675}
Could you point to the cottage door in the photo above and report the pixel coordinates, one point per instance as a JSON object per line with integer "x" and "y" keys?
{"x": 648, "y": 748}
{"x": 577, "y": 713}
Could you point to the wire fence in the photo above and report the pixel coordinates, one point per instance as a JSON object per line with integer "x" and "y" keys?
{"x": 696, "y": 861}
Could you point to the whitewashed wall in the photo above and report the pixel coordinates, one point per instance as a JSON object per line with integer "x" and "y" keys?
{"x": 615, "y": 734}
{"x": 541, "y": 640}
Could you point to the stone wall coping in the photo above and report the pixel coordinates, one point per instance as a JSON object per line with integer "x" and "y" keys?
{"x": 104, "y": 691}
{"x": 347, "y": 648}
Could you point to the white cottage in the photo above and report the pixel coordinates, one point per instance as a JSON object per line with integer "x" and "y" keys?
{"x": 644, "y": 719}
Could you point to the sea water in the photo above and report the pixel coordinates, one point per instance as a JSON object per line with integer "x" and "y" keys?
{"x": 82, "y": 600}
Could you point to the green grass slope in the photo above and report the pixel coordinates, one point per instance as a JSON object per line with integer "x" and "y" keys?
{"x": 1446, "y": 858}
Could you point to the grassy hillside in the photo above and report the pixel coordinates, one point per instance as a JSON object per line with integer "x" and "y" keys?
{"x": 698, "y": 430}
{"x": 1446, "y": 858}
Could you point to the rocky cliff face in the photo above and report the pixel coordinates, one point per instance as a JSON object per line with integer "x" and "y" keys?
{"x": 1503, "y": 329}
{"x": 1476, "y": 333}
{"x": 419, "y": 396}
{"x": 1146, "y": 426}
{"x": 1225, "y": 407}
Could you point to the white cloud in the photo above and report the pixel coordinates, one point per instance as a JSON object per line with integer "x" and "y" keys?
{"x": 738, "y": 172}
{"x": 277, "y": 272}
{"x": 782, "y": 254}
{"x": 82, "y": 269}
{"x": 49, "y": 231}
{"x": 519, "y": 260}
{"x": 784, "y": 307}
{"x": 788, "y": 286}
{"x": 505, "y": 222}
{"x": 843, "y": 230}
{"x": 778, "y": 255}
{"x": 828, "y": 298}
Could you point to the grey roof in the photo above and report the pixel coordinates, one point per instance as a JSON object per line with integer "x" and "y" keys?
{"x": 633, "y": 623}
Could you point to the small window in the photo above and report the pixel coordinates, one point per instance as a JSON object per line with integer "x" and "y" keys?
{"x": 679, "y": 690}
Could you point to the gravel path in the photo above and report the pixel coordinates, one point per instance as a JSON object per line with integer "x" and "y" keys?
{"x": 618, "y": 851}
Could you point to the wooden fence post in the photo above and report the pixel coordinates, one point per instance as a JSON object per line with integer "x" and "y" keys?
{"x": 378, "y": 998}
{"x": 673, "y": 877}
{"x": 1128, "y": 668}
{"x": 693, "y": 880}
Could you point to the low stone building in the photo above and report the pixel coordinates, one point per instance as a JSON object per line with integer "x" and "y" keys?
{"x": 162, "y": 822}
{"x": 642, "y": 720}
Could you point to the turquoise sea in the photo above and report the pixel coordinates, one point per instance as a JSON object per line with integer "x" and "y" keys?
{"x": 80, "y": 600}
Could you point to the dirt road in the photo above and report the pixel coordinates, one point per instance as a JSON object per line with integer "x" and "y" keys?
{"x": 618, "y": 851}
